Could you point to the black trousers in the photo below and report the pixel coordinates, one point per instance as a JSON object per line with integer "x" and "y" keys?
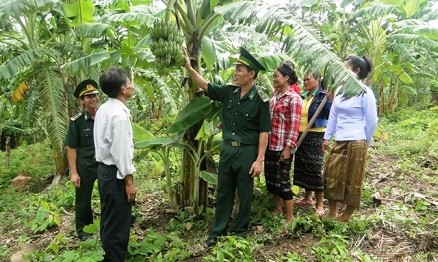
{"x": 87, "y": 169}
{"x": 115, "y": 216}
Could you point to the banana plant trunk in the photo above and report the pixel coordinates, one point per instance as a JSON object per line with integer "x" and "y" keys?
{"x": 60, "y": 164}
{"x": 381, "y": 98}
{"x": 194, "y": 191}
{"x": 8, "y": 151}
{"x": 393, "y": 96}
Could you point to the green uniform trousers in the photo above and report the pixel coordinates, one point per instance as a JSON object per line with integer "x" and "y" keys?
{"x": 87, "y": 170}
{"x": 234, "y": 166}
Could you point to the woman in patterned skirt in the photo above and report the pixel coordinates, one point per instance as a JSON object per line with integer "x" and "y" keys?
{"x": 285, "y": 117}
{"x": 354, "y": 121}
{"x": 308, "y": 163}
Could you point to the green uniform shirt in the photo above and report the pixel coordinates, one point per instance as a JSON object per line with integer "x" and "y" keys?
{"x": 80, "y": 135}
{"x": 243, "y": 119}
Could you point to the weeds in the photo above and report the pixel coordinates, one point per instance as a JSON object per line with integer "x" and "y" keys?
{"x": 402, "y": 169}
{"x": 233, "y": 248}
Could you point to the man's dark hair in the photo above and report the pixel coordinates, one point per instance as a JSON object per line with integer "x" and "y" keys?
{"x": 112, "y": 80}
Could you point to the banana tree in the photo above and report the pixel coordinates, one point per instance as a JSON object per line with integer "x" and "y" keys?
{"x": 197, "y": 20}
{"x": 38, "y": 48}
{"x": 396, "y": 36}
{"x": 301, "y": 41}
{"x": 195, "y": 111}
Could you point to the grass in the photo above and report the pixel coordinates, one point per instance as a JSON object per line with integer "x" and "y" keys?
{"x": 397, "y": 219}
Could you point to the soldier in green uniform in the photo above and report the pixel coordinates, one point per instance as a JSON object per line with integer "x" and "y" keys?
{"x": 80, "y": 154}
{"x": 246, "y": 122}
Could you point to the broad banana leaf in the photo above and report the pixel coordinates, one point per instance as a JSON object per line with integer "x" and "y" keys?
{"x": 84, "y": 63}
{"x": 156, "y": 141}
{"x": 19, "y": 63}
{"x": 95, "y": 30}
{"x": 210, "y": 50}
{"x": 194, "y": 112}
{"x": 80, "y": 11}
{"x": 210, "y": 178}
{"x": 140, "y": 133}
{"x": 304, "y": 44}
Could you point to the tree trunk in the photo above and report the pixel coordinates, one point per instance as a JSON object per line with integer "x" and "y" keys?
{"x": 61, "y": 163}
{"x": 8, "y": 151}
{"x": 381, "y": 98}
{"x": 393, "y": 96}
{"x": 188, "y": 173}
{"x": 433, "y": 93}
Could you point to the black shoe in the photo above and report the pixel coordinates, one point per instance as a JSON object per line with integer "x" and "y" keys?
{"x": 210, "y": 242}
{"x": 84, "y": 237}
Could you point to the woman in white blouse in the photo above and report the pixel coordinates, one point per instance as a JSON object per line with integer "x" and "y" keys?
{"x": 352, "y": 123}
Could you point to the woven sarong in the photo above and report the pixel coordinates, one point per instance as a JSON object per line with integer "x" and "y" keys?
{"x": 343, "y": 172}
{"x": 308, "y": 164}
{"x": 277, "y": 175}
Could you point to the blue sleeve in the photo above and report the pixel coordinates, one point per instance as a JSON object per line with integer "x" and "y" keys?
{"x": 370, "y": 114}
{"x": 332, "y": 120}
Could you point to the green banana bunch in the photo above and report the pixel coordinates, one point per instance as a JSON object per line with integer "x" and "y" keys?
{"x": 166, "y": 44}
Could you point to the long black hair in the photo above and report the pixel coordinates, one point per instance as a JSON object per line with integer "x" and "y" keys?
{"x": 363, "y": 63}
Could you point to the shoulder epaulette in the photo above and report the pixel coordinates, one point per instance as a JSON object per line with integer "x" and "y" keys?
{"x": 262, "y": 95}
{"x": 75, "y": 117}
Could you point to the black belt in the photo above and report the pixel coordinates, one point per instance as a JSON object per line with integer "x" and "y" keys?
{"x": 236, "y": 143}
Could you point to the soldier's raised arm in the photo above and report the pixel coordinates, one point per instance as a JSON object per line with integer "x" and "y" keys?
{"x": 195, "y": 76}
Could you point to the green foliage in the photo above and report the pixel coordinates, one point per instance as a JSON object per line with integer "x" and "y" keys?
{"x": 187, "y": 223}
{"x": 194, "y": 112}
{"x": 153, "y": 245}
{"x": 24, "y": 161}
{"x": 233, "y": 248}
{"x": 411, "y": 217}
{"x": 407, "y": 132}
{"x": 332, "y": 248}
{"x": 47, "y": 216}
{"x": 59, "y": 251}
{"x": 261, "y": 211}
{"x": 291, "y": 257}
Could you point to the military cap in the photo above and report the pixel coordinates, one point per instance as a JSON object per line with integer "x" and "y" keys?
{"x": 247, "y": 59}
{"x": 86, "y": 87}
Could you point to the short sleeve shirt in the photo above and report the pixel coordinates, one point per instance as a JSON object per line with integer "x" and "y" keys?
{"x": 243, "y": 119}
{"x": 80, "y": 135}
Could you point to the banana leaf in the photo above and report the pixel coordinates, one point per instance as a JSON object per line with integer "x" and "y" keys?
{"x": 194, "y": 112}
{"x": 209, "y": 177}
{"x": 141, "y": 134}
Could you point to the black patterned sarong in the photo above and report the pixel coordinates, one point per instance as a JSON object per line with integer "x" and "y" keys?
{"x": 308, "y": 164}
{"x": 277, "y": 175}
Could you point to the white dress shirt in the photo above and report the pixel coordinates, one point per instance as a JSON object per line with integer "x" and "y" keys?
{"x": 113, "y": 139}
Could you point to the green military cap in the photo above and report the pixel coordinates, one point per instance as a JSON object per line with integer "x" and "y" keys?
{"x": 86, "y": 87}
{"x": 247, "y": 59}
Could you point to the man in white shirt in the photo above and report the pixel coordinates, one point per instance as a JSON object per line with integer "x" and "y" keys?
{"x": 115, "y": 151}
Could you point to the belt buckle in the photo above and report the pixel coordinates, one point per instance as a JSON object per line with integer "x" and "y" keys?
{"x": 235, "y": 143}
